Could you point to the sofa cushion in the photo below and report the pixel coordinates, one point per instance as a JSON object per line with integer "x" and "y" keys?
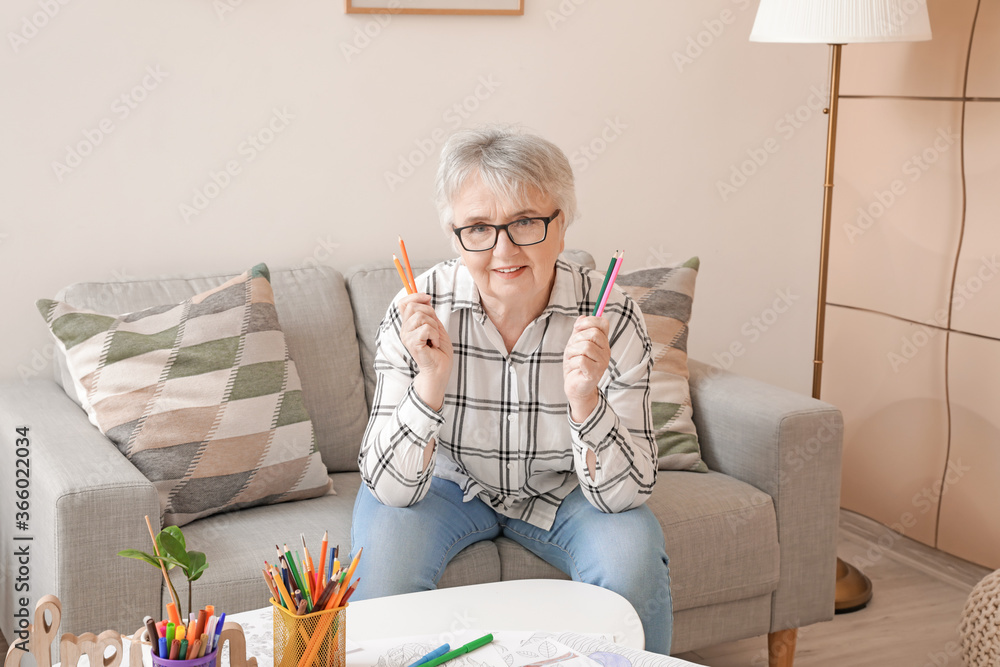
{"x": 237, "y": 543}
{"x": 665, "y": 294}
{"x": 201, "y": 396}
{"x": 315, "y": 314}
{"x": 721, "y": 537}
{"x": 373, "y": 287}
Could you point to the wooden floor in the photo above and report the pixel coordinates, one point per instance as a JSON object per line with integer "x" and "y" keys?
{"x": 911, "y": 622}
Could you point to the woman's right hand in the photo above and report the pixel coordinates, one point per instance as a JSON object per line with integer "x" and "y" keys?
{"x": 427, "y": 341}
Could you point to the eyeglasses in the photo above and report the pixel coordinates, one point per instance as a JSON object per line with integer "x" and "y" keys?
{"x": 481, "y": 237}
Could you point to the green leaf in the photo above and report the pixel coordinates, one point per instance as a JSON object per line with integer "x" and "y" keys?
{"x": 177, "y": 533}
{"x": 140, "y": 555}
{"x": 173, "y": 548}
{"x": 198, "y": 564}
{"x": 172, "y": 562}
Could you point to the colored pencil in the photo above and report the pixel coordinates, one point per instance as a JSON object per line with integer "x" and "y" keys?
{"x": 350, "y": 591}
{"x": 280, "y": 585}
{"x": 295, "y": 574}
{"x": 604, "y": 286}
{"x": 321, "y": 570}
{"x": 406, "y": 264}
{"x": 611, "y": 283}
{"x": 402, "y": 275}
{"x": 272, "y": 587}
{"x": 350, "y": 572}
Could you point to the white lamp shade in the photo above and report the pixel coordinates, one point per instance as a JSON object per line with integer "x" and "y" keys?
{"x": 841, "y": 21}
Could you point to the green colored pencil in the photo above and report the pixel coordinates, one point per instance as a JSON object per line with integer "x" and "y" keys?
{"x": 607, "y": 277}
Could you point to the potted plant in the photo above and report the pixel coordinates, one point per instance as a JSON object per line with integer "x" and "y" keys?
{"x": 171, "y": 551}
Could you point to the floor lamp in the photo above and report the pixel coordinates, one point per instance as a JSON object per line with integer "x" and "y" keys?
{"x": 838, "y": 22}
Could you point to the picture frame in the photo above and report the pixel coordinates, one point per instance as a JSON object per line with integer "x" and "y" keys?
{"x": 469, "y": 7}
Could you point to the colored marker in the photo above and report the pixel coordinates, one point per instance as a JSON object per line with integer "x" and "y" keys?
{"x": 461, "y": 650}
{"x": 440, "y": 650}
{"x": 218, "y": 630}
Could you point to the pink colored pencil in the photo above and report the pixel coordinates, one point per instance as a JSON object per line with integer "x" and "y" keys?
{"x": 611, "y": 283}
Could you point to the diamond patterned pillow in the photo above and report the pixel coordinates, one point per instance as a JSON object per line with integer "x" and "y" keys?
{"x": 201, "y": 396}
{"x": 665, "y": 295}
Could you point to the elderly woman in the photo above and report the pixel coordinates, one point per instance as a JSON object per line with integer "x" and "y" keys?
{"x": 502, "y": 407}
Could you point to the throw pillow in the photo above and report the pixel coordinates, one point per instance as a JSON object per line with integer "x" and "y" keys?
{"x": 665, "y": 295}
{"x": 201, "y": 396}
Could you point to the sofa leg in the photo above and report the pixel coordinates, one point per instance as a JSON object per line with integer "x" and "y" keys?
{"x": 781, "y": 647}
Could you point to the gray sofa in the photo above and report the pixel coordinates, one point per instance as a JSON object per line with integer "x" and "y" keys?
{"x": 751, "y": 543}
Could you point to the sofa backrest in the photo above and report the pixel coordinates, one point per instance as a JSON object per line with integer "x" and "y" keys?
{"x": 315, "y": 313}
{"x": 372, "y": 288}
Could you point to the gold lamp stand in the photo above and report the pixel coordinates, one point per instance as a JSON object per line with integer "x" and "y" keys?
{"x": 854, "y": 589}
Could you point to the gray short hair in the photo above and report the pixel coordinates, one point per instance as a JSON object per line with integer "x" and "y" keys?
{"x": 509, "y": 163}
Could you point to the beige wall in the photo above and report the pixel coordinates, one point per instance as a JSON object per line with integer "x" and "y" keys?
{"x": 610, "y": 75}
{"x": 919, "y": 387}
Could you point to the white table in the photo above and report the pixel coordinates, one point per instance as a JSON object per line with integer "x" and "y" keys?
{"x": 528, "y": 605}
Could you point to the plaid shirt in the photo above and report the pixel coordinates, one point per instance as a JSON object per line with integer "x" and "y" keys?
{"x": 504, "y": 433}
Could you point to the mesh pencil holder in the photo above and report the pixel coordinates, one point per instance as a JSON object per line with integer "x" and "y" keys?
{"x": 318, "y": 639}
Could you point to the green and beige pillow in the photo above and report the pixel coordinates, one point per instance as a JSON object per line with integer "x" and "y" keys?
{"x": 201, "y": 396}
{"x": 665, "y": 295}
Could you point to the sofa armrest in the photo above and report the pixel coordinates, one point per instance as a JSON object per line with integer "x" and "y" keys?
{"x": 789, "y": 446}
{"x": 87, "y": 502}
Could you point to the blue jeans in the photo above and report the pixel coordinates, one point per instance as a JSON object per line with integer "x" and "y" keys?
{"x": 407, "y": 548}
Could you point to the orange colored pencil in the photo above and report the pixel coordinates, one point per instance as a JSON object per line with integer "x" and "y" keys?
{"x": 320, "y": 573}
{"x": 279, "y": 584}
{"x": 402, "y": 275}
{"x": 335, "y": 600}
{"x": 406, "y": 264}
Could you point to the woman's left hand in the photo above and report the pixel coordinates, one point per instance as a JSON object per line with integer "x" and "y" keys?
{"x": 585, "y": 359}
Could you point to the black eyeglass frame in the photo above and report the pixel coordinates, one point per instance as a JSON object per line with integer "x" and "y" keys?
{"x": 505, "y": 228}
